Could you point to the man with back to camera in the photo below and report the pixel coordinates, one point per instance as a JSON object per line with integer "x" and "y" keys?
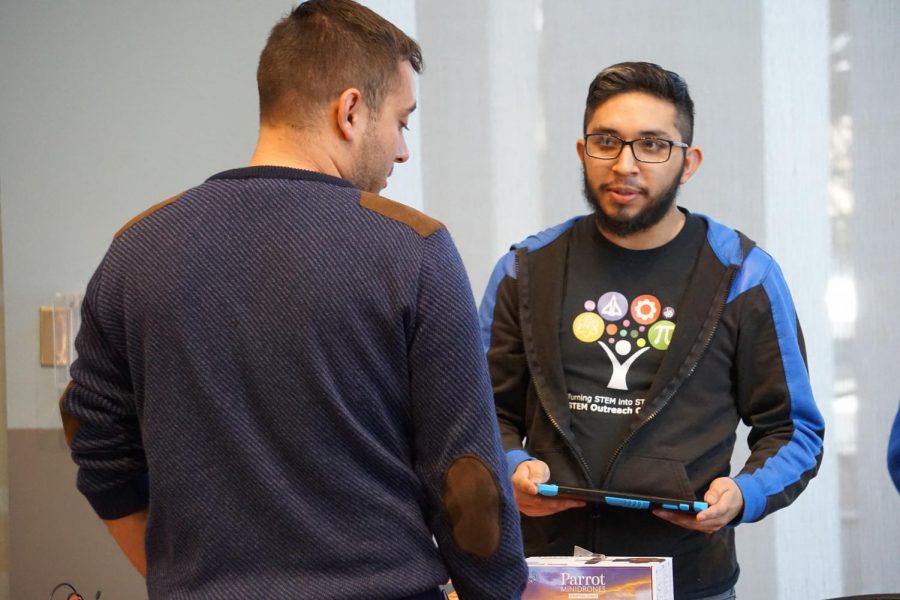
{"x": 280, "y": 389}
{"x": 625, "y": 346}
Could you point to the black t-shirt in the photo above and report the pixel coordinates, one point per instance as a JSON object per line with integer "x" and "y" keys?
{"x": 619, "y": 314}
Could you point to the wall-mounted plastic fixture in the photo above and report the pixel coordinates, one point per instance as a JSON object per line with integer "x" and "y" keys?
{"x": 59, "y": 324}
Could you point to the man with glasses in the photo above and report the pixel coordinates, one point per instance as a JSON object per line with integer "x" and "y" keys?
{"x": 625, "y": 347}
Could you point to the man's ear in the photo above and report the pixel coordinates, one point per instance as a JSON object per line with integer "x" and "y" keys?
{"x": 579, "y": 147}
{"x": 351, "y": 114}
{"x": 693, "y": 156}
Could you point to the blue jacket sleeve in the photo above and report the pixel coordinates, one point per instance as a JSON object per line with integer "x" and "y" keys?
{"x": 774, "y": 393}
{"x": 893, "y": 458}
{"x": 458, "y": 455}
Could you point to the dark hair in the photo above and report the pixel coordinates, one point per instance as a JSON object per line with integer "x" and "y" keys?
{"x": 324, "y": 47}
{"x": 649, "y": 79}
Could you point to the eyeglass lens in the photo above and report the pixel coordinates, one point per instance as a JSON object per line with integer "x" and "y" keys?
{"x": 645, "y": 150}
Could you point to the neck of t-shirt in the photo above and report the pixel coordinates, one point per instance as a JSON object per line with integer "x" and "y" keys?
{"x": 656, "y": 236}
{"x": 632, "y": 255}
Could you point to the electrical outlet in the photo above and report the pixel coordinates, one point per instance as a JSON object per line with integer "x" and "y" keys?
{"x": 56, "y": 336}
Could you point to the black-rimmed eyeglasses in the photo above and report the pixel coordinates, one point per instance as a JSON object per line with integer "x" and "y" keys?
{"x": 606, "y": 146}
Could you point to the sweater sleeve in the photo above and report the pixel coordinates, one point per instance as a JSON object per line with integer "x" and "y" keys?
{"x": 98, "y": 411}
{"x": 458, "y": 455}
{"x": 774, "y": 395}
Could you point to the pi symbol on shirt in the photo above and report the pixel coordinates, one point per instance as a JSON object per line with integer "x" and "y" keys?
{"x": 660, "y": 334}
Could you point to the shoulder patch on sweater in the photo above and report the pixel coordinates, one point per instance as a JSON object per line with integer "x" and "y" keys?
{"x": 147, "y": 213}
{"x": 415, "y": 220}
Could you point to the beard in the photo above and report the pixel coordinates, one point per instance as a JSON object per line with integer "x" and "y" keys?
{"x": 624, "y": 226}
{"x": 368, "y": 174}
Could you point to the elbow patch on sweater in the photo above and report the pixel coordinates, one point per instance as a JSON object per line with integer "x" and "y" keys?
{"x": 70, "y": 422}
{"x": 471, "y": 499}
{"x": 415, "y": 220}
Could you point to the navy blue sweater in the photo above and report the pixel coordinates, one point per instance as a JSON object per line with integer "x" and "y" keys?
{"x": 288, "y": 373}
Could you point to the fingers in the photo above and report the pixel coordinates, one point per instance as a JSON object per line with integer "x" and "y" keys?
{"x": 524, "y": 481}
{"x": 530, "y": 473}
{"x": 725, "y": 501}
{"x": 680, "y": 519}
{"x": 725, "y": 504}
{"x": 539, "y": 506}
{"x": 691, "y": 521}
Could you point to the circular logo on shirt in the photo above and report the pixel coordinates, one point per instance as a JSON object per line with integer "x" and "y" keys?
{"x": 623, "y": 347}
{"x": 645, "y": 309}
{"x": 612, "y": 306}
{"x": 588, "y": 327}
{"x": 660, "y": 334}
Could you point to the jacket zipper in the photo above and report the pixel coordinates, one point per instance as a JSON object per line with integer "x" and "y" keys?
{"x": 581, "y": 461}
{"x": 674, "y": 391}
{"x": 537, "y": 390}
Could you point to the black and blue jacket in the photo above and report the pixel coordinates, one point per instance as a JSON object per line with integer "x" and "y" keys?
{"x": 738, "y": 355}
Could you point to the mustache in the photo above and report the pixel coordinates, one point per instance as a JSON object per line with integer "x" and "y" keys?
{"x": 620, "y": 186}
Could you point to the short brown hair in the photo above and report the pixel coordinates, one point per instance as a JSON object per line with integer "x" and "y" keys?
{"x": 324, "y": 47}
{"x": 647, "y": 78}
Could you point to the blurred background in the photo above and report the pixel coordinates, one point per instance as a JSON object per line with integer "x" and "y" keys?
{"x": 109, "y": 106}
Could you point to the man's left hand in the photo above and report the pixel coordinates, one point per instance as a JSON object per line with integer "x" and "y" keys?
{"x": 725, "y": 503}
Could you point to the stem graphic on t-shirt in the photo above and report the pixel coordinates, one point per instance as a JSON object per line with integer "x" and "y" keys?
{"x": 624, "y": 339}
{"x": 620, "y": 370}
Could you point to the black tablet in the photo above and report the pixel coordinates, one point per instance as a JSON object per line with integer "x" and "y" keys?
{"x": 639, "y": 501}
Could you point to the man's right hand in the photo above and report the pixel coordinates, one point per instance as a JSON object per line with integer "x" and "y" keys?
{"x": 524, "y": 482}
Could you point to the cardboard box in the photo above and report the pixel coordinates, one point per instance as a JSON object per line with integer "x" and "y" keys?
{"x": 599, "y": 578}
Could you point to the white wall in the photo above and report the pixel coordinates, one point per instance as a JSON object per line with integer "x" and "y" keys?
{"x": 109, "y": 106}
{"x": 795, "y": 101}
{"x": 871, "y": 511}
